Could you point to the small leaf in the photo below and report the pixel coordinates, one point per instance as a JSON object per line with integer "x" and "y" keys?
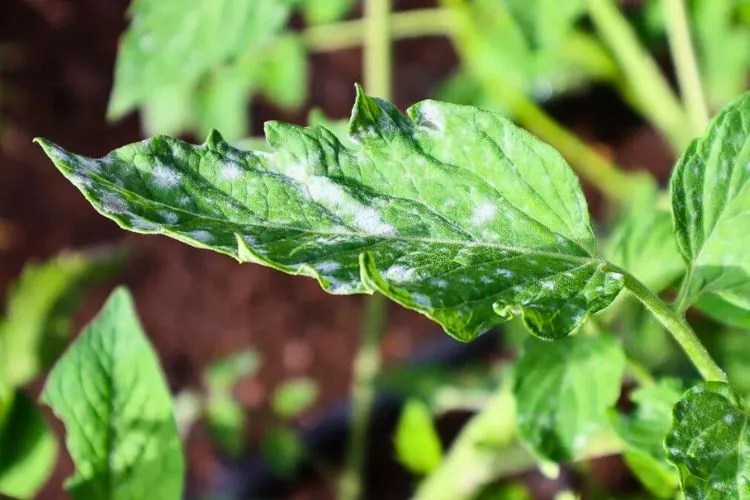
{"x": 644, "y": 432}
{"x": 110, "y": 393}
{"x": 40, "y": 305}
{"x": 452, "y": 211}
{"x": 294, "y": 396}
{"x": 564, "y": 390}
{"x": 711, "y": 204}
{"x": 326, "y": 11}
{"x": 418, "y": 446}
{"x": 221, "y": 376}
{"x": 283, "y": 450}
{"x": 226, "y": 421}
{"x": 283, "y": 74}
{"x": 28, "y": 450}
{"x": 709, "y": 443}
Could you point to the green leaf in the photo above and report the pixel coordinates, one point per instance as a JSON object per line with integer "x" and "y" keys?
{"x": 644, "y": 431}
{"x": 28, "y": 450}
{"x": 283, "y": 75}
{"x": 547, "y": 22}
{"x": 293, "y": 397}
{"x": 40, "y": 305}
{"x": 642, "y": 244}
{"x": 711, "y": 204}
{"x": 452, "y": 211}
{"x": 226, "y": 421}
{"x": 326, "y": 11}
{"x": 732, "y": 352}
{"x": 709, "y": 443}
{"x": 564, "y": 390}
{"x": 221, "y": 376}
{"x": 283, "y": 450}
{"x": 110, "y": 393}
{"x": 722, "y": 311}
{"x": 174, "y": 42}
{"x": 418, "y": 446}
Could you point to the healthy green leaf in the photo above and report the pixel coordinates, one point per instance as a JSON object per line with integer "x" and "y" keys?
{"x": 644, "y": 431}
{"x": 293, "y": 397}
{"x": 711, "y": 204}
{"x": 37, "y": 323}
{"x": 226, "y": 421}
{"x": 172, "y": 42}
{"x": 418, "y": 446}
{"x": 452, "y": 211}
{"x": 709, "y": 443}
{"x": 732, "y": 350}
{"x": 643, "y": 245}
{"x": 222, "y": 375}
{"x": 28, "y": 450}
{"x": 564, "y": 390}
{"x": 326, "y": 11}
{"x": 110, "y": 393}
{"x": 283, "y": 449}
{"x": 283, "y": 75}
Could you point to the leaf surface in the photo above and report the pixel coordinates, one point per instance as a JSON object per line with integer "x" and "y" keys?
{"x": 644, "y": 431}
{"x": 711, "y": 205}
{"x": 417, "y": 443}
{"x": 452, "y": 211}
{"x": 564, "y": 390}
{"x": 110, "y": 393}
{"x": 709, "y": 443}
{"x": 40, "y": 304}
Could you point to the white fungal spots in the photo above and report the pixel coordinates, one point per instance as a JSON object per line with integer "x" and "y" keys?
{"x": 166, "y": 177}
{"x": 231, "y": 171}
{"x": 729, "y": 418}
{"x": 201, "y": 235}
{"x": 141, "y": 224}
{"x": 421, "y": 300}
{"x": 483, "y": 213}
{"x": 169, "y": 217}
{"x": 80, "y": 180}
{"x": 369, "y": 221}
{"x": 698, "y": 389}
{"x": 614, "y": 276}
{"x": 114, "y": 203}
{"x": 400, "y": 274}
{"x": 440, "y": 283}
{"x": 328, "y": 266}
{"x": 505, "y": 273}
{"x": 548, "y": 285}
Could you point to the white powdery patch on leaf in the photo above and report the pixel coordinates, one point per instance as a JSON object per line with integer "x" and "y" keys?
{"x": 483, "y": 214}
{"x": 201, "y": 235}
{"x": 327, "y": 266}
{"x": 400, "y": 274}
{"x": 166, "y": 177}
{"x": 429, "y": 112}
{"x": 114, "y": 203}
{"x": 169, "y": 217}
{"x": 231, "y": 171}
{"x": 369, "y": 221}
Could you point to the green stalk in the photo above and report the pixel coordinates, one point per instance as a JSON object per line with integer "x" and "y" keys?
{"x": 377, "y": 77}
{"x": 686, "y": 65}
{"x": 657, "y": 100}
{"x": 347, "y": 34}
{"x": 678, "y": 327}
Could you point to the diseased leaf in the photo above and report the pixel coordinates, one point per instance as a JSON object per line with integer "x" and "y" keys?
{"x": 711, "y": 204}
{"x": 110, "y": 393}
{"x": 37, "y": 322}
{"x": 644, "y": 431}
{"x": 294, "y": 396}
{"x": 418, "y": 446}
{"x": 452, "y": 211}
{"x": 564, "y": 390}
{"x": 28, "y": 450}
{"x": 709, "y": 443}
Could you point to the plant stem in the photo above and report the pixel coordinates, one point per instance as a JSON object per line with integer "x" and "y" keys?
{"x": 409, "y": 24}
{"x": 686, "y": 65}
{"x": 377, "y": 77}
{"x": 657, "y": 100}
{"x": 678, "y": 327}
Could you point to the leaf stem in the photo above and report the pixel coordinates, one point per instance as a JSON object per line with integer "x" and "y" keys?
{"x": 649, "y": 87}
{"x": 686, "y": 65}
{"x": 377, "y": 77}
{"x": 678, "y": 327}
{"x": 347, "y": 34}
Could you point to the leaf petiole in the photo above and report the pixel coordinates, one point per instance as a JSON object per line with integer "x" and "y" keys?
{"x": 677, "y": 327}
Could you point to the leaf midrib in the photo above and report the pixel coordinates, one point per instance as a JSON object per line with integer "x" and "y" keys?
{"x": 410, "y": 239}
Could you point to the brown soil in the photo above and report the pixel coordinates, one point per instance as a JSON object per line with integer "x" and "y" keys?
{"x": 57, "y": 60}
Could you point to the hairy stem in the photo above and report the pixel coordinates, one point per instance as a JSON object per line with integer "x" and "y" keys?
{"x": 683, "y": 55}
{"x": 649, "y": 87}
{"x": 377, "y": 77}
{"x": 678, "y": 327}
{"x": 347, "y": 34}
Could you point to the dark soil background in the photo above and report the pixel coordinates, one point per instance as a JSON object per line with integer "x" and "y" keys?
{"x": 56, "y": 74}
